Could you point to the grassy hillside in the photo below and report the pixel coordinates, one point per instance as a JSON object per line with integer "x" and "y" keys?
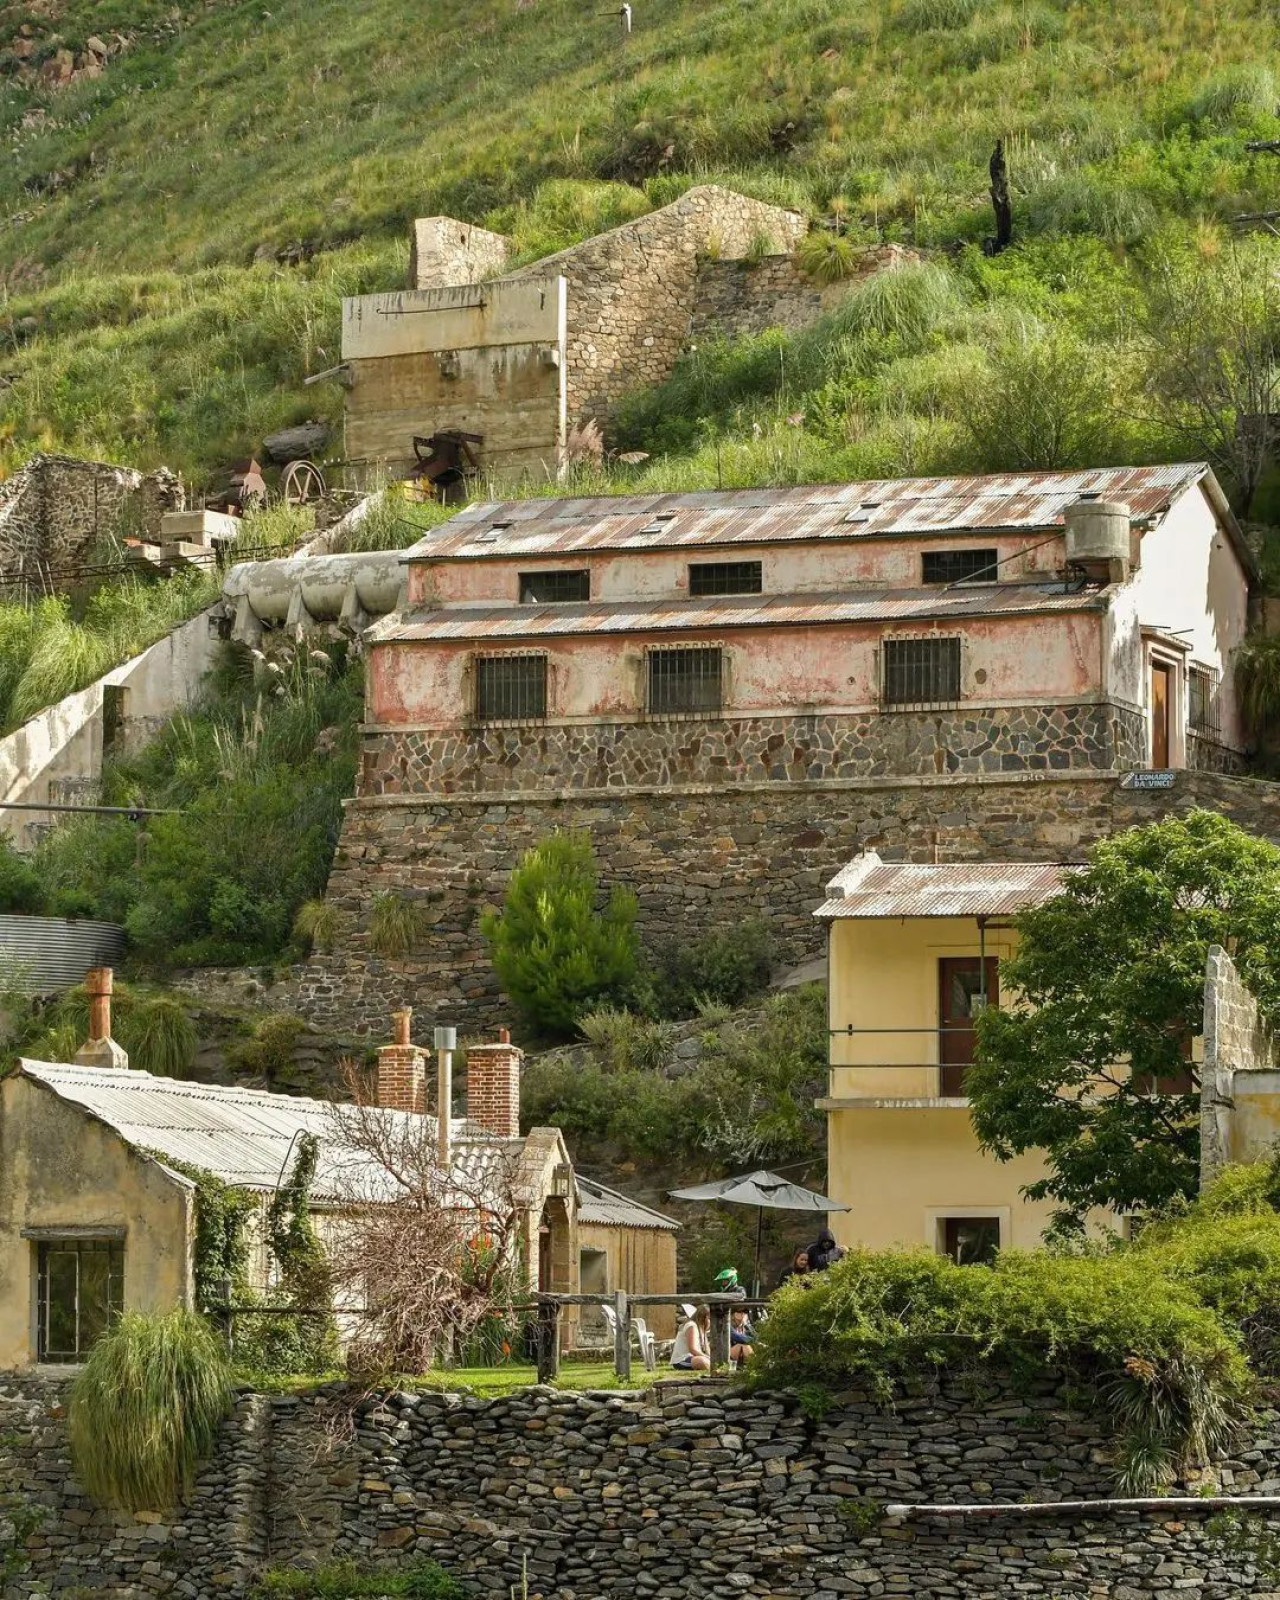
{"x": 149, "y": 313}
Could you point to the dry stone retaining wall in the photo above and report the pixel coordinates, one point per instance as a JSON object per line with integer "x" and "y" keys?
{"x": 688, "y": 1491}
{"x": 698, "y": 857}
{"x": 747, "y": 296}
{"x": 55, "y": 507}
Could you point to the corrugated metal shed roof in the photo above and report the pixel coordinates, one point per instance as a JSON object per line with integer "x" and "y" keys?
{"x": 607, "y": 1208}
{"x": 245, "y": 1136}
{"x": 734, "y": 611}
{"x": 1013, "y": 502}
{"x": 870, "y": 887}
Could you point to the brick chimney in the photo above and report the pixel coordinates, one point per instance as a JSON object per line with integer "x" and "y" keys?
{"x": 493, "y": 1086}
{"x": 402, "y": 1072}
{"x": 100, "y": 1049}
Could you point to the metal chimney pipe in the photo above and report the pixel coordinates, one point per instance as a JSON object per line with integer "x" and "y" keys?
{"x": 446, "y": 1042}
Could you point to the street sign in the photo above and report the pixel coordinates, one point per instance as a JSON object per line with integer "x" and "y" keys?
{"x": 1148, "y": 780}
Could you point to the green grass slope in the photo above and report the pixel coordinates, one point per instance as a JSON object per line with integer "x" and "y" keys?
{"x": 144, "y": 212}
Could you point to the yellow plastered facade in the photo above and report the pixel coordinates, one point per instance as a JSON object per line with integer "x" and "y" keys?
{"x": 901, "y": 1157}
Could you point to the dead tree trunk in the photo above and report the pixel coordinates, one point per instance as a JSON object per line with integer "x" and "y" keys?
{"x": 1000, "y": 204}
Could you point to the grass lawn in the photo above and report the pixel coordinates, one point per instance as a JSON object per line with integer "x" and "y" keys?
{"x": 486, "y": 1381}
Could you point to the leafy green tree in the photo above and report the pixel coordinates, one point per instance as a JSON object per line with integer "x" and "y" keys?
{"x": 556, "y": 954}
{"x": 1112, "y": 971}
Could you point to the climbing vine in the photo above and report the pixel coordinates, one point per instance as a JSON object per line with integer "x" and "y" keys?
{"x": 304, "y": 1268}
{"x": 222, "y": 1242}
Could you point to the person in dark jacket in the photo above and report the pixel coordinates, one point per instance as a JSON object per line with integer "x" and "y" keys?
{"x": 824, "y": 1252}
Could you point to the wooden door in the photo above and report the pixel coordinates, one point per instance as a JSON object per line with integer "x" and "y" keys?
{"x": 961, "y": 990}
{"x": 1161, "y": 706}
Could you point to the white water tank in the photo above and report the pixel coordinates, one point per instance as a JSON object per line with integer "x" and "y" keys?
{"x": 1098, "y": 534}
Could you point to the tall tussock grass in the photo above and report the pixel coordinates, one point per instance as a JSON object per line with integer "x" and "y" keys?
{"x": 145, "y": 1409}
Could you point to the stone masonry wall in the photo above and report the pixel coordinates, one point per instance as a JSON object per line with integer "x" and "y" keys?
{"x": 540, "y": 757}
{"x": 54, "y": 508}
{"x": 630, "y": 291}
{"x": 1236, "y": 1041}
{"x": 743, "y": 297}
{"x": 699, "y": 857}
{"x": 685, "y": 1492}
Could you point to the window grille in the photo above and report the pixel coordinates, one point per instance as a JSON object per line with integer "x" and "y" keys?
{"x": 685, "y": 680}
{"x": 511, "y": 688}
{"x": 79, "y": 1294}
{"x": 960, "y": 566}
{"x": 725, "y": 577}
{"x": 554, "y": 588}
{"x": 921, "y": 671}
{"x": 1201, "y": 711}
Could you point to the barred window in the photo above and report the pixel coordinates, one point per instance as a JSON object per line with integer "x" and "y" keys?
{"x": 554, "y": 588}
{"x": 725, "y": 577}
{"x": 960, "y": 566}
{"x": 1201, "y": 712}
{"x": 511, "y": 688}
{"x": 79, "y": 1294}
{"x": 921, "y": 671}
{"x": 685, "y": 680}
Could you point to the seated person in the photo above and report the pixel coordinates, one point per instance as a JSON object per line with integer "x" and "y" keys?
{"x": 799, "y": 1268}
{"x": 692, "y": 1349}
{"x": 741, "y": 1337}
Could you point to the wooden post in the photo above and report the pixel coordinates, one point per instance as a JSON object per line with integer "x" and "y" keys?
{"x": 548, "y": 1341}
{"x": 719, "y": 1337}
{"x": 622, "y": 1337}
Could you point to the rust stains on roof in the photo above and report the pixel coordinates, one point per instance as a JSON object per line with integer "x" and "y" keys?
{"x": 907, "y": 507}
{"x": 870, "y": 887}
{"x": 736, "y": 611}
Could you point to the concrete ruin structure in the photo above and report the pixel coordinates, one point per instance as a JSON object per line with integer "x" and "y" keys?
{"x": 732, "y": 692}
{"x": 516, "y": 361}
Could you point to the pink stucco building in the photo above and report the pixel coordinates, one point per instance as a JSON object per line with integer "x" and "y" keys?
{"x": 922, "y": 628}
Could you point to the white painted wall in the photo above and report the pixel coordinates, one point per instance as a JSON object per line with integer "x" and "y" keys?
{"x": 63, "y": 744}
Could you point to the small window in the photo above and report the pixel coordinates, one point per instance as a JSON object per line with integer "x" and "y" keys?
{"x": 79, "y": 1294}
{"x": 511, "y": 688}
{"x": 554, "y": 588}
{"x": 724, "y": 577}
{"x": 921, "y": 671}
{"x": 685, "y": 680}
{"x": 960, "y": 566}
{"x": 115, "y": 708}
{"x": 970, "y": 1241}
{"x": 1201, "y": 711}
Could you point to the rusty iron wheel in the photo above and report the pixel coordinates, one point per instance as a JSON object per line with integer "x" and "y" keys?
{"x": 301, "y": 482}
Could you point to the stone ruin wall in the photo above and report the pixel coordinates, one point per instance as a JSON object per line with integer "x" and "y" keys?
{"x": 444, "y": 252}
{"x": 683, "y": 1492}
{"x": 631, "y": 290}
{"x": 698, "y": 857}
{"x": 54, "y": 509}
{"x": 738, "y": 299}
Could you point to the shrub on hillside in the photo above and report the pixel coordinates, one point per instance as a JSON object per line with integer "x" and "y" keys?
{"x": 555, "y": 953}
{"x": 1236, "y": 93}
{"x": 729, "y": 965}
{"x": 20, "y": 887}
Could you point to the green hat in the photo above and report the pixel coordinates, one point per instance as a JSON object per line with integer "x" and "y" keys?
{"x": 727, "y": 1276}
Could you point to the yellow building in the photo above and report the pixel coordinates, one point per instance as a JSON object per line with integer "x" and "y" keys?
{"x": 914, "y": 954}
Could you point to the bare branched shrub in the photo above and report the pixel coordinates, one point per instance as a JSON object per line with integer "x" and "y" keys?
{"x": 427, "y": 1258}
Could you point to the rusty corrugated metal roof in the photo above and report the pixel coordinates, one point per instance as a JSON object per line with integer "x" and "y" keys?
{"x": 870, "y": 887}
{"x": 734, "y": 611}
{"x": 607, "y": 1208}
{"x": 1013, "y": 502}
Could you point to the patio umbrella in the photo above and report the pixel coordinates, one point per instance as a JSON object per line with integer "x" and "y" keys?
{"x": 760, "y": 1189}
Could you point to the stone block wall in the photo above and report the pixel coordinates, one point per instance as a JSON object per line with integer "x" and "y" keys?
{"x": 699, "y": 856}
{"x": 54, "y": 508}
{"x": 443, "y": 251}
{"x": 744, "y": 297}
{"x": 536, "y": 759}
{"x": 631, "y": 290}
{"x": 1236, "y": 1122}
{"x": 683, "y": 1492}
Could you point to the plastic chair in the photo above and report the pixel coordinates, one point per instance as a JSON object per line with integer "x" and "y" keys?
{"x": 644, "y": 1341}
